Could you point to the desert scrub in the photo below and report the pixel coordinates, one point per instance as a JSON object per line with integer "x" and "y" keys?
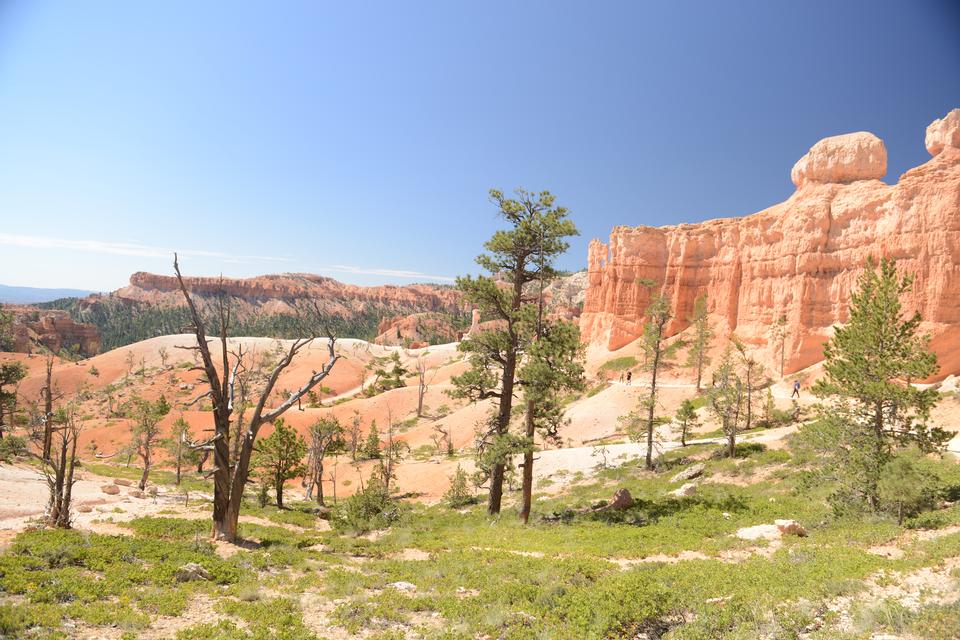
{"x": 108, "y": 581}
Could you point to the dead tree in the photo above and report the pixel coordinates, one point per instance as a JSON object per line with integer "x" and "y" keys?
{"x": 48, "y": 394}
{"x": 146, "y": 433}
{"x": 326, "y": 437}
{"x": 58, "y": 469}
{"x": 423, "y": 380}
{"x": 229, "y": 480}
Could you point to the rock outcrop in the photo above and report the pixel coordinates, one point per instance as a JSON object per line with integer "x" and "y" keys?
{"x": 416, "y": 330}
{"x": 799, "y": 258}
{"x": 34, "y": 328}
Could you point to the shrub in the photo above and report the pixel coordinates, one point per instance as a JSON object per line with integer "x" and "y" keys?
{"x": 367, "y": 510}
{"x": 459, "y": 494}
{"x": 12, "y": 447}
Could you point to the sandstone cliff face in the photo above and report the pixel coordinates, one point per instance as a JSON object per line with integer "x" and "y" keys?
{"x": 799, "y": 258}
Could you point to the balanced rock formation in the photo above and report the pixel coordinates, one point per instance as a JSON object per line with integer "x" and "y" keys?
{"x": 800, "y": 258}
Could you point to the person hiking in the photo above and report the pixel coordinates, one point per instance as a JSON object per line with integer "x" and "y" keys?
{"x": 629, "y": 377}
{"x": 796, "y": 390}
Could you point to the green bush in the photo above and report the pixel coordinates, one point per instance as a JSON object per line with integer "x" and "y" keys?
{"x": 459, "y": 494}
{"x": 12, "y": 447}
{"x": 367, "y": 510}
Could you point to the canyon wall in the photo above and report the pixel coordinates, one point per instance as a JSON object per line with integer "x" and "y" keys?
{"x": 280, "y": 293}
{"x": 799, "y": 258}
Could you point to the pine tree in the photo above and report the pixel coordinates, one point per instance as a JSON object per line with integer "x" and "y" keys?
{"x": 522, "y": 254}
{"x": 658, "y": 354}
{"x": 279, "y": 457}
{"x": 697, "y": 358}
{"x": 371, "y": 450}
{"x": 178, "y": 446}
{"x": 686, "y": 417}
{"x": 552, "y": 366}
{"x": 726, "y": 400}
{"x": 870, "y": 364}
{"x": 459, "y": 494}
{"x": 11, "y": 373}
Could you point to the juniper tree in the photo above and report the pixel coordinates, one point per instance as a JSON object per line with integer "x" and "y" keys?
{"x": 517, "y": 256}
{"x": 697, "y": 356}
{"x": 279, "y": 457}
{"x": 869, "y": 365}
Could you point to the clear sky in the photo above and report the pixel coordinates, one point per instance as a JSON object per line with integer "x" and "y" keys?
{"x": 358, "y": 139}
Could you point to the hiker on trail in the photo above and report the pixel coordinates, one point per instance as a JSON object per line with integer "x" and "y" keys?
{"x": 796, "y": 390}
{"x": 629, "y": 377}
{"x": 621, "y": 377}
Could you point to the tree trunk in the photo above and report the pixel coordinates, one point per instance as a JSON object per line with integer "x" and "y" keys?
{"x": 496, "y": 488}
{"x": 653, "y": 405}
{"x": 503, "y": 425}
{"x": 320, "y": 483}
{"x": 528, "y": 466}
{"x": 731, "y": 439}
{"x": 278, "y": 487}
{"x": 145, "y": 474}
{"x": 179, "y": 458}
{"x": 48, "y": 413}
{"x": 64, "y": 521}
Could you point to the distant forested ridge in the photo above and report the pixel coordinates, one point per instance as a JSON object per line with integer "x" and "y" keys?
{"x": 122, "y": 321}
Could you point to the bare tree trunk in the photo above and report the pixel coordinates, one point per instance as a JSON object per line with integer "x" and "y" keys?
{"x": 48, "y": 411}
{"x": 527, "y": 489}
{"x": 179, "y": 457}
{"x": 319, "y": 481}
{"x": 146, "y": 471}
{"x": 64, "y": 521}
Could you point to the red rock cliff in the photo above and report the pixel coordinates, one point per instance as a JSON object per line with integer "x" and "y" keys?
{"x": 801, "y": 257}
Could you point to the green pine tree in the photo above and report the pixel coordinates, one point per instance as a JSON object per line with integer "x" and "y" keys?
{"x": 697, "y": 358}
{"x": 516, "y": 257}
{"x": 870, "y": 364}
{"x": 279, "y": 457}
{"x": 686, "y": 417}
{"x": 371, "y": 450}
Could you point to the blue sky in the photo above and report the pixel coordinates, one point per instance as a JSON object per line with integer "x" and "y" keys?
{"x": 359, "y": 139}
